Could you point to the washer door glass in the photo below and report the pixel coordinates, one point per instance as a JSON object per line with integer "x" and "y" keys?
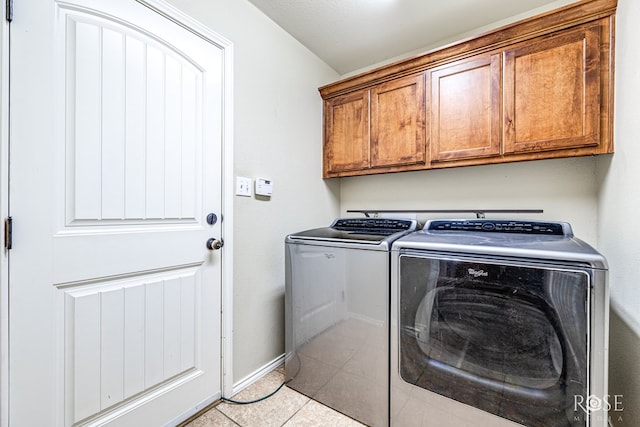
{"x": 501, "y": 336}
{"x": 507, "y": 337}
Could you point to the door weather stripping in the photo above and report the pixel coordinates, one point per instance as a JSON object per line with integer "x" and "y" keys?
{"x": 9, "y": 10}
{"x": 8, "y": 232}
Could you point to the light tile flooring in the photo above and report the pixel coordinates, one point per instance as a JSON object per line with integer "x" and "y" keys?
{"x": 285, "y": 408}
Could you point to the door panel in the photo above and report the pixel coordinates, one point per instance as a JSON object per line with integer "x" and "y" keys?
{"x": 123, "y": 337}
{"x": 138, "y": 165}
{"x": 115, "y": 300}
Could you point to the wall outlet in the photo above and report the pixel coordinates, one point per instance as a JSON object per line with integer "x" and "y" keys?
{"x": 243, "y": 186}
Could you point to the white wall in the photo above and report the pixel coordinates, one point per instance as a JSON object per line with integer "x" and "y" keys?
{"x": 619, "y": 233}
{"x": 564, "y": 188}
{"x": 619, "y": 206}
{"x": 277, "y": 134}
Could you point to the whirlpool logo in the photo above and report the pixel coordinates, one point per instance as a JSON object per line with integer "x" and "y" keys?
{"x": 477, "y": 273}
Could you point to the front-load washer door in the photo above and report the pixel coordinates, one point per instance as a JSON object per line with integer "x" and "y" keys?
{"x": 505, "y": 337}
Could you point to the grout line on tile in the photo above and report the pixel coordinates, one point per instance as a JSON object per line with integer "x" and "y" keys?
{"x": 294, "y": 414}
{"x": 227, "y": 417}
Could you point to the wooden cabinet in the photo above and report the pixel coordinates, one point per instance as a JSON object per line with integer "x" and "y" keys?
{"x": 539, "y": 88}
{"x": 346, "y": 128}
{"x": 376, "y": 129}
{"x": 465, "y": 109}
{"x": 552, "y": 92}
{"x": 398, "y": 122}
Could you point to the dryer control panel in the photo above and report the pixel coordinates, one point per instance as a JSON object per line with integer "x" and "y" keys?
{"x": 500, "y": 226}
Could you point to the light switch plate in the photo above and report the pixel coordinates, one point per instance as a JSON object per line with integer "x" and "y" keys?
{"x": 243, "y": 186}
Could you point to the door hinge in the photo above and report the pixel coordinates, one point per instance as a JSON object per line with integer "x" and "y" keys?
{"x": 9, "y": 10}
{"x": 8, "y": 232}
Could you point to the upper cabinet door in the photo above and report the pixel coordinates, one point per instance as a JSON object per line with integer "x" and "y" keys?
{"x": 346, "y": 133}
{"x": 552, "y": 92}
{"x": 465, "y": 109}
{"x": 398, "y": 122}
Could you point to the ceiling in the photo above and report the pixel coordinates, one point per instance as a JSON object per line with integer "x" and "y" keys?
{"x": 350, "y": 35}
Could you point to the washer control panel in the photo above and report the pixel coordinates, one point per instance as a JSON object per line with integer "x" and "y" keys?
{"x": 355, "y": 224}
{"x": 498, "y": 226}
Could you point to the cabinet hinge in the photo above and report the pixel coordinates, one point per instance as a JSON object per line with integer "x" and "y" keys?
{"x": 8, "y": 232}
{"x": 9, "y": 10}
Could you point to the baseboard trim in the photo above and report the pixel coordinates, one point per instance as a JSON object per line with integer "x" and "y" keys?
{"x": 256, "y": 375}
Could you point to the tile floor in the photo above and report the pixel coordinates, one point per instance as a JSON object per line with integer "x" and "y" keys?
{"x": 286, "y": 408}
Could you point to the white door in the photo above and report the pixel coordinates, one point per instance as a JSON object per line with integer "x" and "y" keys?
{"x": 116, "y": 130}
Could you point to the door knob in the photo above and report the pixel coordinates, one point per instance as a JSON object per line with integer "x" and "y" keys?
{"x": 214, "y": 244}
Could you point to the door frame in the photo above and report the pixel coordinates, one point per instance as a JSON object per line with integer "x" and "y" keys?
{"x": 4, "y": 213}
{"x": 226, "y": 342}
